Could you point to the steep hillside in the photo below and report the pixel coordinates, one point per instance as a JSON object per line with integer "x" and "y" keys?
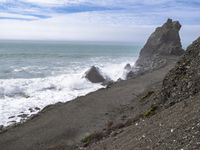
{"x": 173, "y": 127}
{"x": 183, "y": 81}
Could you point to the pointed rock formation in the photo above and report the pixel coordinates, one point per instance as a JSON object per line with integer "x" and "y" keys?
{"x": 183, "y": 81}
{"x": 165, "y": 41}
{"x": 94, "y": 75}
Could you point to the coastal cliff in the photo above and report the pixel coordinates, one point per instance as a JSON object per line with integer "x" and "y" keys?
{"x": 183, "y": 81}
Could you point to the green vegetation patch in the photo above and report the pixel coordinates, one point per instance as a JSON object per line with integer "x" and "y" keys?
{"x": 151, "y": 111}
{"x": 94, "y": 137}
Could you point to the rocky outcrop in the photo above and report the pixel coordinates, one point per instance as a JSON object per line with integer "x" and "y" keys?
{"x": 183, "y": 81}
{"x": 94, "y": 75}
{"x": 165, "y": 41}
{"x": 130, "y": 73}
{"x": 128, "y": 67}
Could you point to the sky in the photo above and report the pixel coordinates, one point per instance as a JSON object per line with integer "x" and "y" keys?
{"x": 95, "y": 20}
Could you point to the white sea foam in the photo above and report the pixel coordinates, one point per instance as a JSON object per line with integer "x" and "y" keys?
{"x": 17, "y": 96}
{"x": 21, "y": 69}
{"x": 115, "y": 71}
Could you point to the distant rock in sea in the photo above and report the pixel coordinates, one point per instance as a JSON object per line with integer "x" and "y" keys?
{"x": 130, "y": 73}
{"x": 183, "y": 81}
{"x": 128, "y": 67}
{"x": 94, "y": 75}
{"x": 165, "y": 41}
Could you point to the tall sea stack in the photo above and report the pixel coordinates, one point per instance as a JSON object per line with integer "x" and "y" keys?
{"x": 164, "y": 42}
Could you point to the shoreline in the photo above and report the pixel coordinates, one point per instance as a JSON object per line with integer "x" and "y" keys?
{"x": 24, "y": 95}
{"x": 73, "y": 120}
{"x": 32, "y": 116}
{"x": 46, "y": 108}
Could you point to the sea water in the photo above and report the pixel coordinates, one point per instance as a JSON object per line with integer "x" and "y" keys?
{"x": 34, "y": 74}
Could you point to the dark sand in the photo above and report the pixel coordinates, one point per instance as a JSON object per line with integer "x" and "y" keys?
{"x": 175, "y": 128}
{"x": 63, "y": 125}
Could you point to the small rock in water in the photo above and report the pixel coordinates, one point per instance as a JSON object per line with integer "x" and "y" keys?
{"x": 37, "y": 108}
{"x": 23, "y": 115}
{"x": 51, "y": 87}
{"x": 11, "y": 117}
{"x": 31, "y": 109}
{"x": 12, "y": 122}
{"x": 26, "y": 96}
{"x": 127, "y": 67}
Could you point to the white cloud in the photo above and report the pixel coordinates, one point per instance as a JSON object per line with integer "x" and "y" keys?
{"x": 3, "y": 1}
{"x": 83, "y": 26}
{"x": 113, "y": 25}
{"x": 93, "y": 2}
{"x": 48, "y": 2}
{"x": 16, "y": 16}
{"x": 54, "y": 3}
{"x": 189, "y": 33}
{"x": 70, "y": 27}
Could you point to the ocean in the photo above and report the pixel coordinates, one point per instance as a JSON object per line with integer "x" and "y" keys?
{"x": 34, "y": 74}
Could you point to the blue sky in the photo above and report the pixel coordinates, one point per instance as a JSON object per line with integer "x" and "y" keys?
{"x": 95, "y": 20}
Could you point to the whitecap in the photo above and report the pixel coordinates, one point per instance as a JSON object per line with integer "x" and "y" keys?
{"x": 19, "y": 95}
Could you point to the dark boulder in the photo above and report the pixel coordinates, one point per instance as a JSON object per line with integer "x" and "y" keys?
{"x": 37, "y": 108}
{"x": 94, "y": 75}
{"x": 183, "y": 81}
{"x": 31, "y": 110}
{"x": 23, "y": 115}
{"x": 165, "y": 41}
{"x": 127, "y": 67}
